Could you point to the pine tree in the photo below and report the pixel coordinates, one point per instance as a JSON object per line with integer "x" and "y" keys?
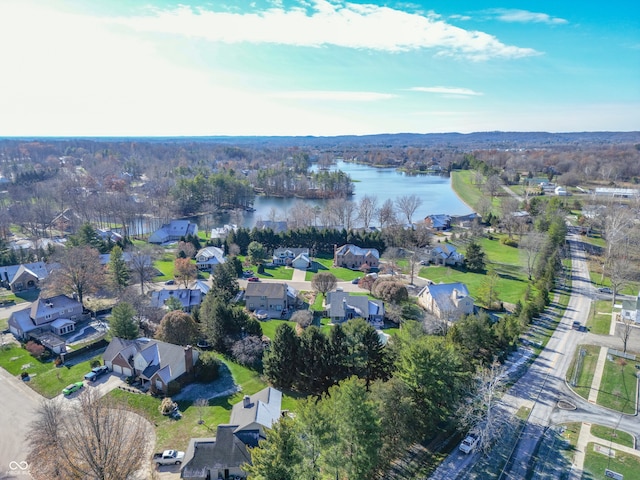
{"x": 282, "y": 355}
{"x": 122, "y": 323}
{"x": 278, "y": 456}
{"x": 118, "y": 270}
{"x": 475, "y": 257}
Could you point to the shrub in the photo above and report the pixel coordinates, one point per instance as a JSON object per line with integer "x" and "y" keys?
{"x": 509, "y": 242}
{"x": 208, "y": 368}
{"x": 167, "y": 406}
{"x": 24, "y": 375}
{"x": 95, "y": 363}
{"x": 35, "y": 349}
{"x": 58, "y": 361}
{"x": 248, "y": 351}
{"x": 390, "y": 290}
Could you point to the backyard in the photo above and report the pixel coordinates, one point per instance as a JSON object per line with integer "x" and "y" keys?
{"x": 325, "y": 264}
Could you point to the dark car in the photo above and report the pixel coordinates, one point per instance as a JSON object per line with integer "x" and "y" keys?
{"x": 356, "y": 280}
{"x": 95, "y": 373}
{"x": 605, "y": 290}
{"x": 170, "y": 282}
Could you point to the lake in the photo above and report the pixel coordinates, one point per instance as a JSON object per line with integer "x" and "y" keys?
{"x": 384, "y": 183}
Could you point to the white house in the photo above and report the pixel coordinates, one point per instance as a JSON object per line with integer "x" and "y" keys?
{"x": 173, "y": 231}
{"x": 631, "y": 309}
{"x": 208, "y": 258}
{"x": 293, "y": 257}
{"x": 448, "y": 301}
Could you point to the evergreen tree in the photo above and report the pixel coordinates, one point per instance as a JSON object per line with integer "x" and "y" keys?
{"x": 312, "y": 366}
{"x": 367, "y": 356}
{"x": 278, "y": 455}
{"x": 224, "y": 281}
{"x": 281, "y": 356}
{"x": 118, "y": 270}
{"x": 315, "y": 433}
{"x": 122, "y": 323}
{"x": 337, "y": 356}
{"x": 89, "y": 237}
{"x": 475, "y": 257}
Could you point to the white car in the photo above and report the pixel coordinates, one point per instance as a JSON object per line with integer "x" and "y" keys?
{"x": 468, "y": 444}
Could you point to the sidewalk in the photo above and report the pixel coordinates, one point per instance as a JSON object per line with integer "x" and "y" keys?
{"x": 587, "y": 437}
{"x": 597, "y": 375}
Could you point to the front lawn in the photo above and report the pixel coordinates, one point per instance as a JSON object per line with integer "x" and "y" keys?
{"x": 325, "y": 264}
{"x": 279, "y": 273}
{"x": 618, "y": 386}
{"x": 45, "y": 378}
{"x": 599, "y": 320}
{"x": 595, "y": 463}
{"x": 580, "y": 374}
{"x": 165, "y": 265}
{"x": 609, "y": 434}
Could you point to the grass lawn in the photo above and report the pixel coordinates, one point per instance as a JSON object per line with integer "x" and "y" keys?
{"x": 505, "y": 260}
{"x": 325, "y": 264}
{"x": 165, "y": 265}
{"x": 595, "y": 463}
{"x": 600, "y": 317}
{"x": 280, "y": 273}
{"x": 596, "y": 279}
{"x": 609, "y": 434}
{"x": 469, "y": 192}
{"x": 585, "y": 376}
{"x": 618, "y": 386}
{"x": 269, "y": 327}
{"x": 46, "y": 379}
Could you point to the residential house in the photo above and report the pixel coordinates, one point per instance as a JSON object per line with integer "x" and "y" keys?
{"x": 561, "y": 191}
{"x": 222, "y": 457}
{"x": 631, "y": 309}
{"x": 465, "y": 221}
{"x": 173, "y": 231}
{"x": 189, "y": 298}
{"x": 222, "y": 232}
{"x": 276, "y": 226}
{"x": 154, "y": 362}
{"x": 354, "y": 257}
{"x": 272, "y": 297}
{"x": 293, "y": 257}
{"x": 445, "y": 254}
{"x": 448, "y": 301}
{"x": 438, "y": 223}
{"x": 109, "y": 235}
{"x": 23, "y": 277}
{"x": 341, "y": 306}
{"x": 46, "y": 320}
{"x": 208, "y": 258}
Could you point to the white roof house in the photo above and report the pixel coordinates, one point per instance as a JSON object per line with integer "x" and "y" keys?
{"x": 173, "y": 231}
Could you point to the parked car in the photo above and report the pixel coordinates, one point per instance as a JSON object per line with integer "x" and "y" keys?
{"x": 248, "y": 273}
{"x": 253, "y": 279}
{"x": 576, "y": 325}
{"x": 170, "y": 282}
{"x": 168, "y": 457}
{"x": 356, "y": 280}
{"x": 605, "y": 290}
{"x": 96, "y": 372}
{"x": 74, "y": 387}
{"x": 468, "y": 444}
{"x": 261, "y": 314}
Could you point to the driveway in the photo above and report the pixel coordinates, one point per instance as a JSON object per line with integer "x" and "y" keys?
{"x": 19, "y": 404}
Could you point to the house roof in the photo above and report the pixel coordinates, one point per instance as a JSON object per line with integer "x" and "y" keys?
{"x": 443, "y": 294}
{"x": 287, "y": 252}
{"x": 57, "y": 304}
{"x": 262, "y": 408}
{"x": 226, "y": 450}
{"x": 439, "y": 221}
{"x": 188, "y": 297}
{"x": 355, "y": 250}
{"x": 212, "y": 255}
{"x": 269, "y": 290}
{"x": 277, "y": 227}
{"x": 62, "y": 322}
{"x": 22, "y": 320}
{"x": 631, "y": 305}
{"x": 39, "y": 269}
{"x": 339, "y": 304}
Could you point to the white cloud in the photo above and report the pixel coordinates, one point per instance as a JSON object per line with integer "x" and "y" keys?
{"x": 453, "y": 91}
{"x": 337, "y": 23}
{"x": 463, "y": 18}
{"x": 525, "y": 16}
{"x": 339, "y": 96}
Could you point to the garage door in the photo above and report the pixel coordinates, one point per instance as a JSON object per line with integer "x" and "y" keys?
{"x": 117, "y": 369}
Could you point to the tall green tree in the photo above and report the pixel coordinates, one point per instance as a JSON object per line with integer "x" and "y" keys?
{"x": 256, "y": 253}
{"x": 224, "y": 281}
{"x": 312, "y": 361}
{"x": 122, "y": 322}
{"x": 282, "y": 354}
{"x": 315, "y": 433}
{"x": 367, "y": 356}
{"x": 278, "y": 456}
{"x": 474, "y": 257}
{"x": 118, "y": 270}
{"x": 87, "y": 236}
{"x": 179, "y": 328}
{"x": 337, "y": 356}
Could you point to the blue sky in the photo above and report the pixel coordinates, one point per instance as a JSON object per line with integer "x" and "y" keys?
{"x": 317, "y": 67}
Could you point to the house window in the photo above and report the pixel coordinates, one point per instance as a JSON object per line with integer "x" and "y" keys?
{"x": 47, "y": 317}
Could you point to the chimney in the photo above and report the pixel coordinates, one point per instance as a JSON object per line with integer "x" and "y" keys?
{"x": 246, "y": 401}
{"x": 188, "y": 358}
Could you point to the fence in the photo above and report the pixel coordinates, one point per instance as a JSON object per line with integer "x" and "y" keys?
{"x": 88, "y": 348}
{"x": 617, "y": 353}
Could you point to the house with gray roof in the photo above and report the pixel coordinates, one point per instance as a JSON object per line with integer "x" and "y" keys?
{"x": 354, "y": 257}
{"x": 189, "y": 298}
{"x": 438, "y": 223}
{"x": 272, "y": 296}
{"x": 292, "y": 257}
{"x": 208, "y": 258}
{"x": 224, "y": 455}
{"x": 341, "y": 307}
{"x": 447, "y": 301}
{"x": 631, "y": 309}
{"x": 445, "y": 254}
{"x": 154, "y": 362}
{"x": 41, "y": 316}
{"x": 173, "y": 231}
{"x": 22, "y": 277}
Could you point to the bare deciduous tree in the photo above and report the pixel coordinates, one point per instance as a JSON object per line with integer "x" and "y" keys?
{"x": 367, "y": 209}
{"x": 91, "y": 440}
{"x": 624, "y": 331}
{"x": 324, "y": 282}
{"x": 531, "y": 246}
{"x": 407, "y": 205}
{"x": 387, "y": 214}
{"x": 493, "y": 185}
{"x": 141, "y": 265}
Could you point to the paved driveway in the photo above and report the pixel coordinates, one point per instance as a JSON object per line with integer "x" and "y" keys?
{"x": 19, "y": 404}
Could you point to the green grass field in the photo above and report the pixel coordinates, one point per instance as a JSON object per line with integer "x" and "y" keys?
{"x": 469, "y": 192}
{"x": 585, "y": 377}
{"x": 618, "y": 386}
{"x": 280, "y": 273}
{"x": 45, "y": 378}
{"x": 609, "y": 434}
{"x": 165, "y": 265}
{"x": 595, "y": 463}
{"x": 600, "y": 317}
{"x": 325, "y": 264}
